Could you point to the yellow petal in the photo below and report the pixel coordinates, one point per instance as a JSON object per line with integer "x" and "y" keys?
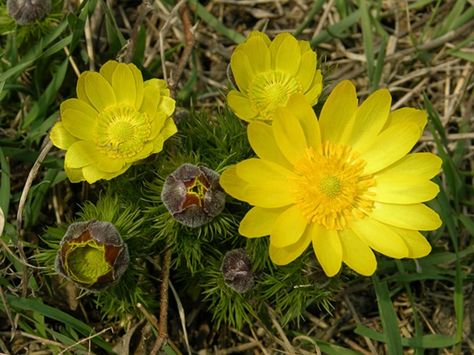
{"x": 139, "y": 85}
{"x": 415, "y": 217}
{"x": 288, "y": 227}
{"x": 107, "y": 70}
{"x": 402, "y": 189}
{"x": 328, "y": 249}
{"x": 110, "y": 165}
{"x": 284, "y": 256}
{"x": 146, "y": 151}
{"x": 356, "y": 253}
{"x": 258, "y": 171}
{"x": 380, "y": 237}
{"x": 300, "y": 108}
{"x": 60, "y": 137}
{"x": 78, "y": 105}
{"x": 271, "y": 195}
{"x": 422, "y": 165}
{"x": 259, "y": 222}
{"x": 306, "y": 70}
{"x": 417, "y": 244}
{"x": 156, "y": 83}
{"x": 305, "y": 46}
{"x": 165, "y": 91}
{"x": 370, "y": 119}
{"x": 74, "y": 175}
{"x": 315, "y": 89}
{"x": 81, "y": 87}
{"x": 233, "y": 184}
{"x": 157, "y": 124}
{"x": 289, "y": 135}
{"x": 151, "y": 99}
{"x": 158, "y": 143}
{"x": 263, "y": 143}
{"x": 167, "y": 105}
{"x": 288, "y": 55}
{"x": 241, "y": 69}
{"x": 338, "y": 113}
{"x": 92, "y": 173}
{"x": 390, "y": 145}
{"x": 408, "y": 115}
{"x": 98, "y": 91}
{"x": 123, "y": 83}
{"x": 275, "y": 46}
{"x": 241, "y": 106}
{"x": 258, "y": 54}
{"x": 80, "y": 154}
{"x": 262, "y": 35}
{"x": 79, "y": 124}
{"x": 168, "y": 129}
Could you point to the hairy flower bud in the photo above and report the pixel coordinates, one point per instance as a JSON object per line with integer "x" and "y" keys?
{"x": 193, "y": 195}
{"x": 237, "y": 270}
{"x": 27, "y": 11}
{"x": 92, "y": 254}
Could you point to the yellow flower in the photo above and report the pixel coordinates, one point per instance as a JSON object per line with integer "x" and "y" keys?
{"x": 268, "y": 73}
{"x": 115, "y": 120}
{"x": 345, "y": 183}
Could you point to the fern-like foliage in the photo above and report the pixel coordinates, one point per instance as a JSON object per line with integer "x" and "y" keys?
{"x": 132, "y": 202}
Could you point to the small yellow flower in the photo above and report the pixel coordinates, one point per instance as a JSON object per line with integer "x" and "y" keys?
{"x": 345, "y": 183}
{"x": 268, "y": 73}
{"x": 116, "y": 119}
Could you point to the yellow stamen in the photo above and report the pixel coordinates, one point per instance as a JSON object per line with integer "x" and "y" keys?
{"x": 270, "y": 90}
{"x": 330, "y": 187}
{"x": 122, "y": 131}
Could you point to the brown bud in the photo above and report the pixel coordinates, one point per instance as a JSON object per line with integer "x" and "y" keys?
{"x": 92, "y": 254}
{"x": 237, "y": 270}
{"x": 27, "y": 11}
{"x": 193, "y": 195}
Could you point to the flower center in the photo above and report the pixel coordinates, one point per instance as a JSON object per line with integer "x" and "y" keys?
{"x": 86, "y": 262}
{"x": 195, "y": 191}
{"x": 122, "y": 131}
{"x": 270, "y": 90}
{"x": 330, "y": 187}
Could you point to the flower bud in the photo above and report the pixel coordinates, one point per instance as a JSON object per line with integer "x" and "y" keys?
{"x": 237, "y": 270}
{"x": 92, "y": 254}
{"x": 193, "y": 195}
{"x": 27, "y": 11}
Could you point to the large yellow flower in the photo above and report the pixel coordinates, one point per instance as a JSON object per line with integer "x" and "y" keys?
{"x": 115, "y": 120}
{"x": 344, "y": 183}
{"x": 268, "y": 73}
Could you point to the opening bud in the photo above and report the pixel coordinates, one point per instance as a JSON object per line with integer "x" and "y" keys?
{"x": 193, "y": 195}
{"x": 237, "y": 270}
{"x": 27, "y": 11}
{"x": 92, "y": 254}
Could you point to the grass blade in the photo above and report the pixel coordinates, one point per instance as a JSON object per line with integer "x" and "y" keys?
{"x": 337, "y": 29}
{"x": 212, "y": 21}
{"x": 388, "y": 317}
{"x": 429, "y": 341}
{"x": 35, "y": 305}
{"x": 317, "y": 6}
{"x": 4, "y": 184}
{"x": 368, "y": 38}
